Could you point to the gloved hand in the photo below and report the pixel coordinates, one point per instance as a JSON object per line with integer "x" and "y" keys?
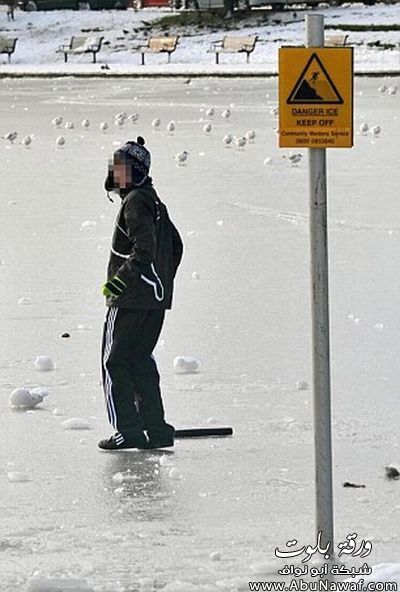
{"x": 114, "y": 287}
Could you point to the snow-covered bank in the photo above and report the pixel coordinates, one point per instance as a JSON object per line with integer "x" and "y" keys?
{"x": 40, "y": 34}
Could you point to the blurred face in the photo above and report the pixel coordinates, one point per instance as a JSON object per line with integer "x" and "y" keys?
{"x": 122, "y": 174}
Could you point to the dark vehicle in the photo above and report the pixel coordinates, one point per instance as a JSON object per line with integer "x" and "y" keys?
{"x": 33, "y": 5}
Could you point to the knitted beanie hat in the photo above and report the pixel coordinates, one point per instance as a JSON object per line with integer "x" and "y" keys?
{"x": 137, "y": 156}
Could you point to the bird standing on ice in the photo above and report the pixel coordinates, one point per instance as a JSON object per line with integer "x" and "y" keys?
{"x": 227, "y": 140}
{"x": 60, "y": 141}
{"x": 251, "y": 136}
{"x": 85, "y": 124}
{"x": 207, "y": 129}
{"x": 240, "y": 142}
{"x": 57, "y": 121}
{"x": 295, "y": 158}
{"x": 27, "y": 141}
{"x": 11, "y": 137}
{"x": 181, "y": 158}
{"x": 364, "y": 127}
{"x": 156, "y": 123}
{"x": 171, "y": 127}
{"x": 226, "y": 114}
{"x": 376, "y": 130}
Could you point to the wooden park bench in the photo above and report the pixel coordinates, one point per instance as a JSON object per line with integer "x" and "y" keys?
{"x": 79, "y": 45}
{"x": 234, "y": 45}
{"x": 159, "y": 45}
{"x": 339, "y": 40}
{"x": 8, "y": 46}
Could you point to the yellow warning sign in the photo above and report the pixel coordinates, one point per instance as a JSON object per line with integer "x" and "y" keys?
{"x": 315, "y": 97}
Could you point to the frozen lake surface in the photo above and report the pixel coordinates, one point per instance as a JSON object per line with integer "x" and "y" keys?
{"x": 209, "y": 512}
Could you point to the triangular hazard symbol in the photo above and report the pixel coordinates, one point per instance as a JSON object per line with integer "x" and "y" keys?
{"x": 314, "y": 85}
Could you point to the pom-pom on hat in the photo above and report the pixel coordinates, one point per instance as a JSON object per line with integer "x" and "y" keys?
{"x": 137, "y": 156}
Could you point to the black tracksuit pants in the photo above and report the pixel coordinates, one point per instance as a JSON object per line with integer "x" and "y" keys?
{"x": 130, "y": 372}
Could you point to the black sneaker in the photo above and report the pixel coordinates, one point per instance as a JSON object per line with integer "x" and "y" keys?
{"x": 118, "y": 442}
{"x": 161, "y": 437}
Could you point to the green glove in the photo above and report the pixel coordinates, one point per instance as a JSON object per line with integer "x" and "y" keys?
{"x": 114, "y": 287}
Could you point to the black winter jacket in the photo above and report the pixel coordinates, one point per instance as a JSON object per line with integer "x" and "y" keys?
{"x": 146, "y": 251}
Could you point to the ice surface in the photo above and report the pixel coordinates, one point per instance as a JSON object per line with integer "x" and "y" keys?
{"x": 37, "y": 584}
{"x": 247, "y": 320}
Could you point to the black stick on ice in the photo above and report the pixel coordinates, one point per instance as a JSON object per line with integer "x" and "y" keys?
{"x": 203, "y": 432}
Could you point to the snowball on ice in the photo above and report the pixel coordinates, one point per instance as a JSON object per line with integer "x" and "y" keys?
{"x": 174, "y": 474}
{"x": 88, "y": 224}
{"x": 76, "y": 423}
{"x": 24, "y": 398}
{"x": 18, "y": 477}
{"x": 185, "y": 365}
{"x": 44, "y": 363}
{"x": 25, "y": 300}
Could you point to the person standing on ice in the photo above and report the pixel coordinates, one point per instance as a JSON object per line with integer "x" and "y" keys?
{"x": 145, "y": 255}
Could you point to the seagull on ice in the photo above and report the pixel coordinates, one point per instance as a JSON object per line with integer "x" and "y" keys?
{"x": 382, "y": 89}
{"x": 85, "y": 124}
{"x": 240, "y": 142}
{"x": 207, "y": 129}
{"x": 226, "y": 114}
{"x": 181, "y": 158}
{"x": 134, "y": 118}
{"x": 251, "y": 136}
{"x": 57, "y": 121}
{"x": 364, "y": 127}
{"x": 376, "y": 130}
{"x": 119, "y": 122}
{"x": 156, "y": 123}
{"x": 69, "y": 125}
{"x": 11, "y": 136}
{"x": 60, "y": 141}
{"x": 392, "y": 90}
{"x": 171, "y": 127}
{"x": 104, "y": 126}
{"x": 27, "y": 141}
{"x": 274, "y": 110}
{"x": 295, "y": 158}
{"x": 227, "y": 140}
{"x": 123, "y": 115}
{"x": 210, "y": 112}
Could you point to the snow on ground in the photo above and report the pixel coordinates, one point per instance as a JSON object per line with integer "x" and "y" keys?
{"x": 41, "y": 33}
{"x": 207, "y": 515}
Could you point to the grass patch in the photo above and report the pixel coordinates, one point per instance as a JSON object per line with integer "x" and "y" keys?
{"x": 355, "y": 28}
{"x": 202, "y": 19}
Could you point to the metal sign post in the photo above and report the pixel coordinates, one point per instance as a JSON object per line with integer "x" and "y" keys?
{"x": 316, "y": 112}
{"x": 320, "y": 320}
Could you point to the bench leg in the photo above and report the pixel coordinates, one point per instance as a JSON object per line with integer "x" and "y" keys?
{"x": 247, "y": 57}
{"x": 65, "y": 57}
{"x": 169, "y": 58}
{"x": 9, "y": 58}
{"x": 94, "y": 57}
{"x": 142, "y": 59}
{"x": 216, "y": 57}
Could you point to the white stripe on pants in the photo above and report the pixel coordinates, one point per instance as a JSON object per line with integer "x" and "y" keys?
{"x": 110, "y": 322}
